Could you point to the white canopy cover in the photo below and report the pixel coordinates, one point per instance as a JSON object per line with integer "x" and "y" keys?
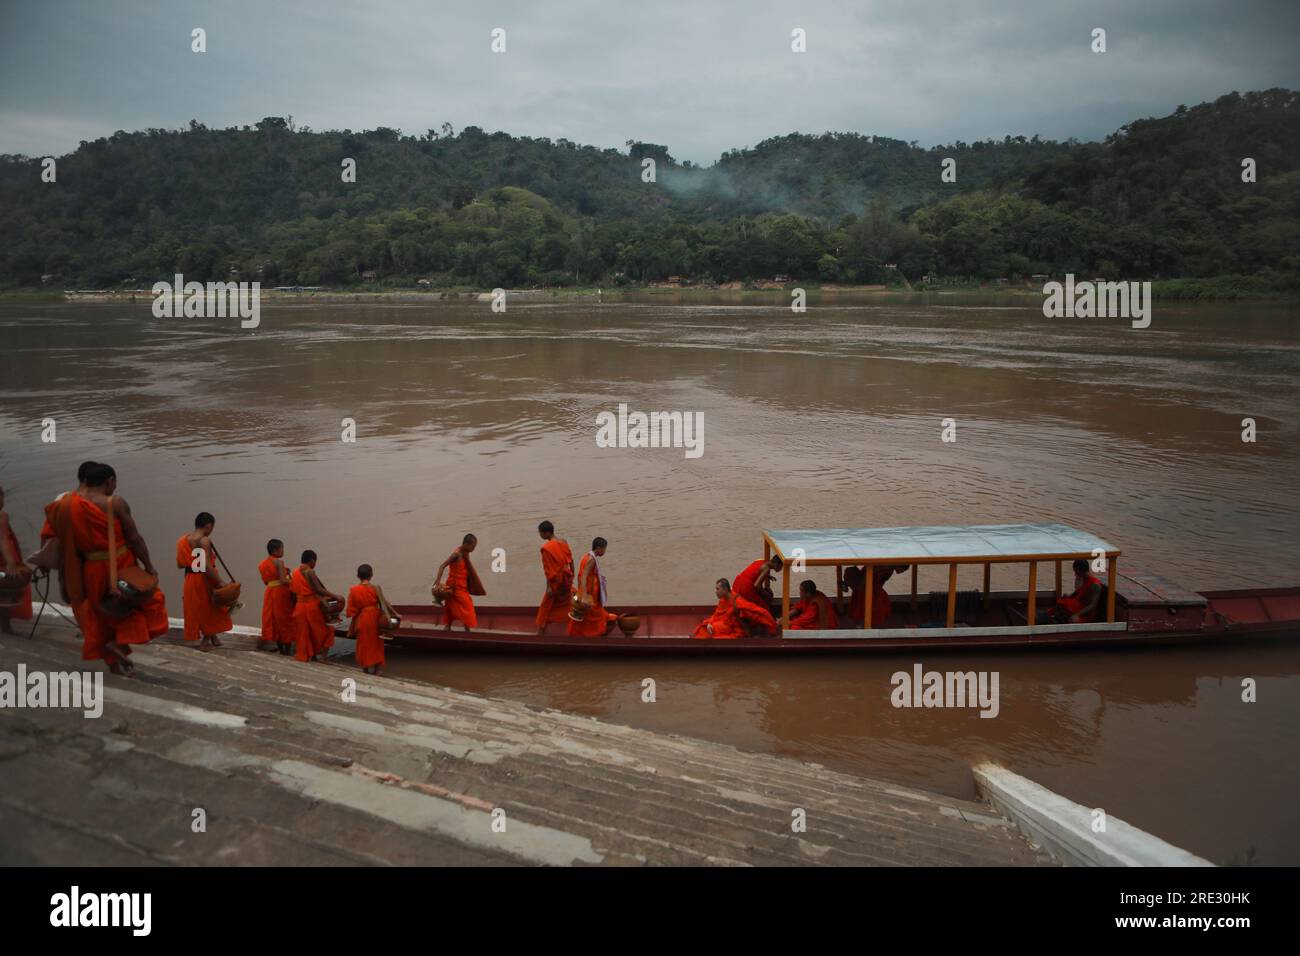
{"x": 922, "y": 544}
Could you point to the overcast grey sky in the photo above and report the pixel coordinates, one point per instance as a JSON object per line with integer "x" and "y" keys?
{"x": 700, "y": 76}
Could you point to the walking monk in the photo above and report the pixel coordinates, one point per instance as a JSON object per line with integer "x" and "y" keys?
{"x": 462, "y": 581}
{"x": 312, "y": 633}
{"x": 590, "y": 588}
{"x": 277, "y": 601}
{"x": 82, "y": 527}
{"x": 11, "y": 563}
{"x": 557, "y": 565}
{"x": 365, "y": 607}
{"x": 48, "y": 557}
{"x": 814, "y": 612}
{"x": 204, "y": 620}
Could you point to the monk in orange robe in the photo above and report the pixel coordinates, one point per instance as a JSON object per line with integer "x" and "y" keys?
{"x": 855, "y": 579}
{"x": 724, "y": 623}
{"x": 48, "y": 557}
{"x": 11, "y": 563}
{"x": 365, "y": 607}
{"x": 590, "y": 587}
{"x": 82, "y": 526}
{"x": 557, "y": 565}
{"x": 463, "y": 581}
{"x": 195, "y": 556}
{"x": 814, "y": 611}
{"x": 313, "y": 634}
{"x": 754, "y": 583}
{"x": 277, "y": 601}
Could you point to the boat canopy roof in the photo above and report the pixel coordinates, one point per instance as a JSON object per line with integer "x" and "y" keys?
{"x": 938, "y": 544}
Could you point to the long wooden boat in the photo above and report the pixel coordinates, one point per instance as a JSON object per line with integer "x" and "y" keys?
{"x": 1138, "y": 609}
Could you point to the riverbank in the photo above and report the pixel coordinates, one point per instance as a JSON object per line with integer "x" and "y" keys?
{"x": 1213, "y": 289}
{"x": 286, "y": 771}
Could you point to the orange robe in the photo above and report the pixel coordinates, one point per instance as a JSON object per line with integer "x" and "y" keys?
{"x": 596, "y": 621}
{"x": 725, "y": 621}
{"x": 880, "y": 606}
{"x": 202, "y": 617}
{"x": 806, "y": 617}
{"x": 22, "y": 611}
{"x": 363, "y": 608}
{"x": 277, "y": 606}
{"x": 755, "y": 615}
{"x": 86, "y": 559}
{"x": 745, "y": 584}
{"x": 557, "y": 564}
{"x": 459, "y": 606}
{"x": 312, "y": 634}
{"x": 1071, "y": 604}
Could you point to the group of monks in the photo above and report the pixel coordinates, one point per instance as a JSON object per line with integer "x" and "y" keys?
{"x": 296, "y": 608}
{"x": 742, "y": 609}
{"x": 298, "y": 611}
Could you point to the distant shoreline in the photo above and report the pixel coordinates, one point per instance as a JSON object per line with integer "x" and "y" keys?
{"x": 1216, "y": 289}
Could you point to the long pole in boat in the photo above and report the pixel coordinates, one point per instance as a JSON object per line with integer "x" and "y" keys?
{"x": 1031, "y": 614}
{"x": 1110, "y": 589}
{"x": 785, "y": 594}
{"x": 869, "y": 582}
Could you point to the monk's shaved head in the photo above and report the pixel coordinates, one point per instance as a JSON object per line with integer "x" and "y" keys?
{"x": 203, "y": 519}
{"x": 98, "y": 475}
{"x": 808, "y": 587}
{"x": 599, "y": 543}
{"x": 84, "y": 469}
{"x": 365, "y": 572}
{"x": 724, "y": 584}
{"x": 308, "y": 557}
{"x": 469, "y": 539}
{"x": 274, "y": 545}
{"x": 776, "y": 563}
{"x": 546, "y": 528}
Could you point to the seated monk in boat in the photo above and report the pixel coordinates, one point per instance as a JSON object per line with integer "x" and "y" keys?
{"x": 590, "y": 594}
{"x": 204, "y": 619}
{"x": 365, "y": 608}
{"x": 754, "y": 583}
{"x": 462, "y": 582}
{"x": 16, "y": 595}
{"x": 313, "y": 634}
{"x": 724, "y": 622}
{"x": 557, "y": 565}
{"x": 855, "y": 582}
{"x": 814, "y": 611}
{"x": 277, "y": 601}
{"x": 81, "y": 524}
{"x": 1079, "y": 607}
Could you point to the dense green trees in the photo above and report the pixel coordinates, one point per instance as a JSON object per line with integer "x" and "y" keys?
{"x": 1160, "y": 197}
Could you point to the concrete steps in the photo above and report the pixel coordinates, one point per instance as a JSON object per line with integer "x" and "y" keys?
{"x": 290, "y": 773}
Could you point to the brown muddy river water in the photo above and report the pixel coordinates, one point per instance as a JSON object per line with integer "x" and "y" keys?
{"x": 469, "y": 420}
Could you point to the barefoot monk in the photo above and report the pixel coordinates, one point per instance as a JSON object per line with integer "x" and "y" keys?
{"x": 462, "y": 582}
{"x": 110, "y": 628}
{"x": 365, "y": 608}
{"x": 589, "y": 586}
{"x": 195, "y": 556}
{"x": 16, "y": 595}
{"x": 277, "y": 601}
{"x": 312, "y": 632}
{"x": 557, "y": 565}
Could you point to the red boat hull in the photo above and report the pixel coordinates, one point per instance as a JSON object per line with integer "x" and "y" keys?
{"x": 1151, "y": 614}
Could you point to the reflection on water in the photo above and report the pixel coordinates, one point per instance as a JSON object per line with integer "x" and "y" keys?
{"x": 469, "y": 420}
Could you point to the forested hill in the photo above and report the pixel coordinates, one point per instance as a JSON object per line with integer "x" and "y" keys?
{"x": 1160, "y": 196}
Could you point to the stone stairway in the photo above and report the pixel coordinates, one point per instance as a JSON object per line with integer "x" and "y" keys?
{"x": 287, "y": 772}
